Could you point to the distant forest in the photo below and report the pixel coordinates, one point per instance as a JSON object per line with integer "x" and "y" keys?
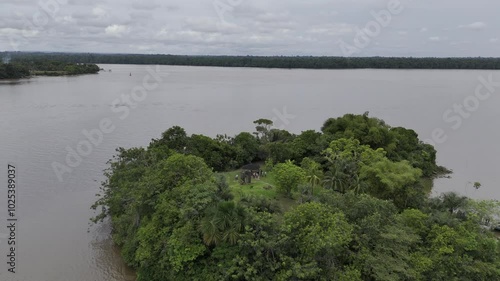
{"x": 13, "y": 71}
{"x": 24, "y": 67}
{"x": 266, "y": 61}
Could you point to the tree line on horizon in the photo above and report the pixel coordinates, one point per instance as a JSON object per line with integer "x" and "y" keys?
{"x": 308, "y": 62}
{"x": 357, "y": 208}
{"x": 26, "y": 67}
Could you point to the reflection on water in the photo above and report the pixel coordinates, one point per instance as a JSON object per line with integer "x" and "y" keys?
{"x": 15, "y": 82}
{"x": 42, "y": 117}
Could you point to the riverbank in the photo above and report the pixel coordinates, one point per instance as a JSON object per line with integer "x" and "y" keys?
{"x": 286, "y": 62}
{"x": 20, "y": 69}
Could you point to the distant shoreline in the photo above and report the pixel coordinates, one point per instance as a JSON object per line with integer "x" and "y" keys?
{"x": 20, "y": 68}
{"x": 280, "y": 62}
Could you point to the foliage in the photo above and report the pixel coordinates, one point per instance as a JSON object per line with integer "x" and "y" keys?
{"x": 391, "y": 180}
{"x": 263, "y": 128}
{"x": 314, "y": 173}
{"x": 371, "y": 219}
{"x": 222, "y": 223}
{"x": 314, "y": 227}
{"x": 13, "y": 71}
{"x": 288, "y": 176}
{"x": 247, "y": 147}
{"x": 280, "y": 152}
{"x": 268, "y": 61}
{"x": 22, "y": 68}
{"x": 398, "y": 143}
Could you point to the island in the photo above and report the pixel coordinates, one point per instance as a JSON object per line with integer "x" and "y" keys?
{"x": 349, "y": 202}
{"x": 22, "y": 68}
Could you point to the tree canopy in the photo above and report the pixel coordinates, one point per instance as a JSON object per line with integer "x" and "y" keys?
{"x": 356, "y": 209}
{"x": 309, "y": 62}
{"x": 22, "y": 67}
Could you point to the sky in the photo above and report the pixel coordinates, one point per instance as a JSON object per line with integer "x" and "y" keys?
{"x": 418, "y": 28}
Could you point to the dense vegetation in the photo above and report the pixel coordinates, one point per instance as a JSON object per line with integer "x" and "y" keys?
{"x": 13, "y": 71}
{"x": 269, "y": 61}
{"x": 55, "y": 67}
{"x": 23, "y": 68}
{"x": 356, "y": 208}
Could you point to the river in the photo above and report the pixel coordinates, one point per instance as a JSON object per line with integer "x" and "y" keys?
{"x": 42, "y": 119}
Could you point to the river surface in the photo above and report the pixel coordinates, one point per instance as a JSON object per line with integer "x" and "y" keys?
{"x": 41, "y": 118}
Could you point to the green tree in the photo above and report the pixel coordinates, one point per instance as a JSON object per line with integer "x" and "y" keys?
{"x": 262, "y": 129}
{"x": 335, "y": 180}
{"x": 218, "y": 155}
{"x": 351, "y": 150}
{"x": 314, "y": 173}
{"x": 247, "y": 147}
{"x": 390, "y": 180}
{"x": 174, "y": 138}
{"x": 287, "y": 177}
{"x": 484, "y": 212}
{"x": 174, "y": 219}
{"x": 399, "y": 143}
{"x": 370, "y": 131}
{"x": 314, "y": 236}
{"x": 451, "y": 202}
{"x": 308, "y": 144}
{"x": 222, "y": 223}
{"x": 279, "y": 152}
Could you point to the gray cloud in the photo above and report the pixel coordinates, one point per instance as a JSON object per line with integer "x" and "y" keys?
{"x": 145, "y": 5}
{"x": 479, "y": 25}
{"x": 254, "y": 27}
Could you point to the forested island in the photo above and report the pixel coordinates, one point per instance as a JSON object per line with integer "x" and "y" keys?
{"x": 25, "y": 68}
{"x": 307, "y": 62}
{"x": 13, "y": 71}
{"x": 350, "y": 202}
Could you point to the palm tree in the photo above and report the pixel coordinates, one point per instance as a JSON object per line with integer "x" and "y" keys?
{"x": 334, "y": 180}
{"x": 340, "y": 172}
{"x": 357, "y": 185}
{"x": 210, "y": 230}
{"x": 313, "y": 180}
{"x": 222, "y": 223}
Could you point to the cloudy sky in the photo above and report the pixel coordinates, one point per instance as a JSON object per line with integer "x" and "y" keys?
{"x": 254, "y": 27}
